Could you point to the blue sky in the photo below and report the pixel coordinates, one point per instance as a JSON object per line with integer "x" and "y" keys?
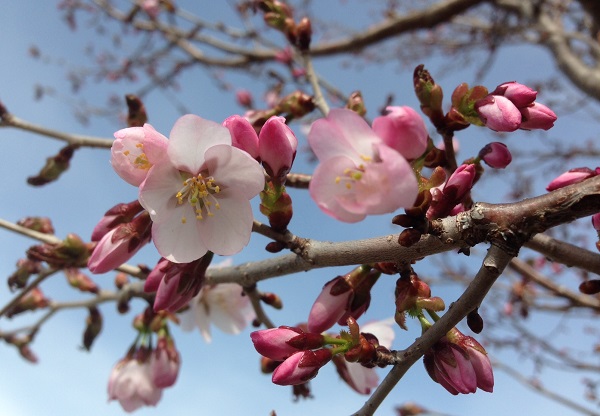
{"x": 221, "y": 377}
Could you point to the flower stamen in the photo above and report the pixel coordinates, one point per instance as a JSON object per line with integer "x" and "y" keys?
{"x": 199, "y": 192}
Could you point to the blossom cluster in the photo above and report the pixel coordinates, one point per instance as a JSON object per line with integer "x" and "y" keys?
{"x": 512, "y": 106}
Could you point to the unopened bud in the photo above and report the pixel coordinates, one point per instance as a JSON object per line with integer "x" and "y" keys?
{"x": 303, "y": 34}
{"x": 54, "y": 167}
{"x": 590, "y": 287}
{"x": 356, "y": 103}
{"x": 272, "y": 299}
{"x": 39, "y": 224}
{"x": 475, "y": 321}
{"x": 93, "y": 327}
{"x": 136, "y": 116}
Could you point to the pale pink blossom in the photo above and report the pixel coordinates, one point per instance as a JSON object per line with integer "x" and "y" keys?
{"x": 131, "y": 384}
{"x": 135, "y": 150}
{"x": 223, "y": 305}
{"x": 358, "y": 174}
{"x": 198, "y": 194}
{"x": 404, "y": 130}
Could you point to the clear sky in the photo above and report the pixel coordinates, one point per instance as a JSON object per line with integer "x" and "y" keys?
{"x": 220, "y": 378}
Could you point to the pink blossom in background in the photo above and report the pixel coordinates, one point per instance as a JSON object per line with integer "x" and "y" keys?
{"x": 404, "y": 130}
{"x": 358, "y": 174}
{"x": 131, "y": 384}
{"x": 165, "y": 362}
{"x": 198, "y": 194}
{"x": 223, "y": 305}
{"x": 135, "y": 150}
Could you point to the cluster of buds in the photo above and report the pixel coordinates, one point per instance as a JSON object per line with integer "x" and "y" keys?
{"x": 294, "y": 105}
{"x": 460, "y": 364}
{"x": 122, "y": 232}
{"x": 71, "y": 252}
{"x": 32, "y": 301}
{"x": 412, "y": 296}
{"x": 446, "y": 200}
{"x": 512, "y": 106}
{"x": 295, "y": 356}
{"x": 280, "y": 16}
{"x": 138, "y": 379}
{"x": 176, "y": 284}
{"x": 343, "y": 297}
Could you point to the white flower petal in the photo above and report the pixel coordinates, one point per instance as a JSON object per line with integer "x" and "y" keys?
{"x": 235, "y": 169}
{"x": 190, "y": 137}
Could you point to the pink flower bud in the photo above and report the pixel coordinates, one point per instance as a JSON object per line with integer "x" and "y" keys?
{"x": 537, "y": 116}
{"x": 280, "y": 343}
{"x": 243, "y": 135}
{"x": 277, "y": 146}
{"x": 119, "y": 214}
{"x": 176, "y": 284}
{"x": 496, "y": 155}
{"x": 151, "y": 7}
{"x": 460, "y": 182}
{"x": 596, "y": 222}
{"x": 404, "y": 130}
{"x": 460, "y": 364}
{"x": 135, "y": 150}
{"x": 120, "y": 244}
{"x": 498, "y": 113}
{"x": 571, "y": 177}
{"x": 130, "y": 383}
{"x": 244, "y": 98}
{"x": 164, "y": 363}
{"x": 331, "y": 304}
{"x": 301, "y": 367}
{"x": 520, "y": 95}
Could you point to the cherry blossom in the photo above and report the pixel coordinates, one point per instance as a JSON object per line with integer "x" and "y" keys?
{"x": 224, "y": 305}
{"x": 358, "y": 174}
{"x": 131, "y": 384}
{"x": 198, "y": 194}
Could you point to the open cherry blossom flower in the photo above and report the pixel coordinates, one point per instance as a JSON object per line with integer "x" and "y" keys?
{"x": 131, "y": 384}
{"x": 198, "y": 194}
{"x": 358, "y": 174}
{"x": 224, "y": 305}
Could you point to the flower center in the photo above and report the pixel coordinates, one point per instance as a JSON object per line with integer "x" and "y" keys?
{"x": 198, "y": 191}
{"x": 353, "y": 175}
{"x": 137, "y": 157}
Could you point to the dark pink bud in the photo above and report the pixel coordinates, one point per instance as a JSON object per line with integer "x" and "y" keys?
{"x": 280, "y": 343}
{"x": 520, "y": 95}
{"x": 165, "y": 362}
{"x": 243, "y": 135}
{"x": 537, "y": 116}
{"x": 460, "y": 182}
{"x": 119, "y": 214}
{"x": 120, "y": 244}
{"x": 496, "y": 155}
{"x": 301, "y": 367}
{"x": 498, "y": 113}
{"x": 244, "y": 98}
{"x": 277, "y": 146}
{"x": 404, "y": 130}
{"x": 596, "y": 222}
{"x": 571, "y": 177}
